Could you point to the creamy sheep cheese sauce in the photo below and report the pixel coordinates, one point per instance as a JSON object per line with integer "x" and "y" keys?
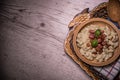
{"x": 97, "y": 43}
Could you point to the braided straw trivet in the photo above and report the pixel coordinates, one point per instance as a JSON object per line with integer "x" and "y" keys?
{"x": 99, "y": 11}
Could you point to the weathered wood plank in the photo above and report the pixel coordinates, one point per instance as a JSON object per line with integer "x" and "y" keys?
{"x": 32, "y": 35}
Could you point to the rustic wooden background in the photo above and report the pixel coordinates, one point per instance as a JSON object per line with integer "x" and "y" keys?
{"x": 32, "y": 33}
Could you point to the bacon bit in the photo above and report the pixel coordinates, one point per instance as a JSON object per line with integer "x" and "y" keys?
{"x": 100, "y": 51}
{"x": 103, "y": 36}
{"x": 91, "y": 31}
{"x": 91, "y": 36}
{"x": 97, "y": 48}
{"x": 107, "y": 45}
{"x": 100, "y": 36}
{"x": 94, "y": 52}
{"x": 100, "y": 46}
{"x": 88, "y": 44}
{"x": 102, "y": 31}
{"x": 99, "y": 40}
{"x": 104, "y": 43}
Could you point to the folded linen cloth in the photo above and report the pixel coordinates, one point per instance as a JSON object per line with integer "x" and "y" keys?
{"x": 110, "y": 71}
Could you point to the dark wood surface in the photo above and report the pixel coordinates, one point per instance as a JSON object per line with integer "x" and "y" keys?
{"x": 32, "y": 33}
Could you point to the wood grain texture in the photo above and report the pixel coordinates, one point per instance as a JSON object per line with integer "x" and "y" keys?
{"x": 32, "y": 33}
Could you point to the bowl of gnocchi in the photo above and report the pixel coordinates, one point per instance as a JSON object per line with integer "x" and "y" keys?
{"x": 97, "y": 42}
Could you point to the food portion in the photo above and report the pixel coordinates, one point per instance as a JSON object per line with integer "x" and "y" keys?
{"x": 97, "y": 43}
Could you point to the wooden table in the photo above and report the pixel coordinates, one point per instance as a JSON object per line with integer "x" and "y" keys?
{"x": 32, "y": 33}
